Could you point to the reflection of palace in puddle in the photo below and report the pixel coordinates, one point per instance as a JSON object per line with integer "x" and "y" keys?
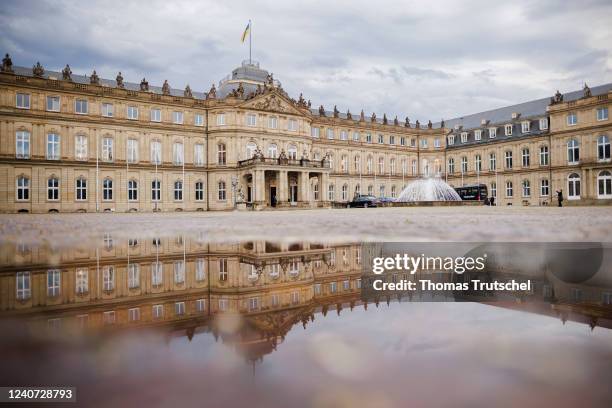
{"x": 182, "y": 285}
{"x": 587, "y": 300}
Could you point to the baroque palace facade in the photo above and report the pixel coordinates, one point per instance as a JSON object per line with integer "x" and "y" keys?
{"x": 73, "y": 143}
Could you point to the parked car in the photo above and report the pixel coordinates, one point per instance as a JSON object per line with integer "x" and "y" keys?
{"x": 364, "y": 201}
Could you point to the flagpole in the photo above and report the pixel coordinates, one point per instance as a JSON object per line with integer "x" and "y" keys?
{"x": 250, "y": 40}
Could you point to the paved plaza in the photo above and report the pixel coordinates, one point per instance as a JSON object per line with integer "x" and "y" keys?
{"x": 458, "y": 224}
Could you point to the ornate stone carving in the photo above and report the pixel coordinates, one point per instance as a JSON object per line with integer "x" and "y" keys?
{"x": 67, "y": 73}
{"x": 407, "y": 122}
{"x": 586, "y": 91}
{"x": 362, "y": 116}
{"x": 187, "y": 93}
{"x": 321, "y": 110}
{"x": 144, "y": 85}
{"x": 336, "y": 112}
{"x": 429, "y": 125}
{"x": 212, "y": 94}
{"x": 272, "y": 103}
{"x": 270, "y": 79}
{"x": 166, "y": 88}
{"x": 348, "y": 114}
{"x": 38, "y": 70}
{"x": 373, "y": 118}
{"x": 385, "y": 121}
{"x": 238, "y": 92}
{"x": 395, "y": 121}
{"x": 7, "y": 64}
{"x": 119, "y": 80}
{"x": 94, "y": 78}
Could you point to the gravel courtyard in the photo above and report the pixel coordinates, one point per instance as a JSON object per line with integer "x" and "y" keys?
{"x": 388, "y": 224}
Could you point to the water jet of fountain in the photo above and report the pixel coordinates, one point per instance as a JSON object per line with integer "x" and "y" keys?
{"x": 428, "y": 189}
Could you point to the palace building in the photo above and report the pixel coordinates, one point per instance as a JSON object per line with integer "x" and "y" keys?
{"x": 75, "y": 143}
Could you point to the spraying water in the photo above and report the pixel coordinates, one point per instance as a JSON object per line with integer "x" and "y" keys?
{"x": 428, "y": 189}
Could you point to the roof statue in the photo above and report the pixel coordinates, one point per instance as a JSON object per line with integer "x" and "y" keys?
{"x": 395, "y": 121}
{"x": 144, "y": 85}
{"x": 166, "y": 88}
{"x": 373, "y": 118}
{"x": 321, "y": 110}
{"x": 586, "y": 91}
{"x": 187, "y": 93}
{"x": 407, "y": 122}
{"x": 94, "y": 78}
{"x": 418, "y": 124}
{"x": 441, "y": 123}
{"x": 385, "y": 121}
{"x": 212, "y": 94}
{"x": 119, "y": 80}
{"x": 362, "y": 116}
{"x": 7, "y": 64}
{"x": 38, "y": 70}
{"x": 429, "y": 125}
{"x": 67, "y": 73}
{"x": 309, "y": 103}
{"x": 348, "y": 114}
{"x": 336, "y": 112}
{"x": 558, "y": 98}
{"x": 302, "y": 102}
{"x": 270, "y": 79}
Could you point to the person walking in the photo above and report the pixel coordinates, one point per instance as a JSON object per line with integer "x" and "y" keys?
{"x": 560, "y": 197}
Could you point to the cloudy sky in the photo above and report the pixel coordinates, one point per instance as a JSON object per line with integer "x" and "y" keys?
{"x": 424, "y": 59}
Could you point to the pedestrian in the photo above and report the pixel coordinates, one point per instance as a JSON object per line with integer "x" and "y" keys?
{"x": 560, "y": 197}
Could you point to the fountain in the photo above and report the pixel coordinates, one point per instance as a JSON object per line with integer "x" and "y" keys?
{"x": 428, "y": 189}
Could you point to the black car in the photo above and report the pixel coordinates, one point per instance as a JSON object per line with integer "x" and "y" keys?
{"x": 364, "y": 201}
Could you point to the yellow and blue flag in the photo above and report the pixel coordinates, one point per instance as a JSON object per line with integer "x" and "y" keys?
{"x": 246, "y": 31}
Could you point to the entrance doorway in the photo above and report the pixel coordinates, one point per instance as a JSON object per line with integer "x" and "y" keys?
{"x": 273, "y": 196}
{"x": 249, "y": 194}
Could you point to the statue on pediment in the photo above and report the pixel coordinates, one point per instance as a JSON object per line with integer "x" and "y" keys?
{"x": 119, "y": 80}
{"x": 94, "y": 79}
{"x": 321, "y": 110}
{"x": 558, "y": 98}
{"x": 407, "y": 122}
{"x": 166, "y": 88}
{"x": 429, "y": 125}
{"x": 441, "y": 123}
{"x": 373, "y": 118}
{"x": 7, "y": 64}
{"x": 212, "y": 94}
{"x": 348, "y": 114}
{"x": 144, "y": 85}
{"x": 309, "y": 104}
{"x": 336, "y": 112}
{"x": 362, "y": 116}
{"x": 418, "y": 124}
{"x": 240, "y": 90}
{"x": 302, "y": 102}
{"x": 385, "y": 119}
{"x": 187, "y": 93}
{"x": 270, "y": 79}
{"x": 395, "y": 121}
{"x": 67, "y": 73}
{"x": 586, "y": 91}
{"x": 38, "y": 70}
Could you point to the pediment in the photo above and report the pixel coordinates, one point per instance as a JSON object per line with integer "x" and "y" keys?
{"x": 272, "y": 102}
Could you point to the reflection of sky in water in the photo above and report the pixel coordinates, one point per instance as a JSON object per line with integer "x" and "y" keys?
{"x": 409, "y": 353}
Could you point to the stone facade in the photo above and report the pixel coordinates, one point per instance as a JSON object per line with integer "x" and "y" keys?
{"x": 70, "y": 143}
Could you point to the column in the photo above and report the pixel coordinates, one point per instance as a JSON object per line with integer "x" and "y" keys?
{"x": 283, "y": 189}
{"x": 324, "y": 186}
{"x": 303, "y": 190}
{"x": 260, "y": 186}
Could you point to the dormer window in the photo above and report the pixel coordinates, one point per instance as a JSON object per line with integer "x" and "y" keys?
{"x": 525, "y": 126}
{"x": 492, "y": 133}
{"x": 464, "y": 137}
{"x": 451, "y": 139}
{"x": 477, "y": 134}
{"x": 543, "y": 123}
{"x": 508, "y": 129}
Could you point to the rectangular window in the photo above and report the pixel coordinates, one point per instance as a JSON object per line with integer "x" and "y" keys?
{"x": 133, "y": 276}
{"x": 200, "y": 271}
{"x": 451, "y": 140}
{"x": 543, "y": 123}
{"x": 464, "y": 137}
{"x": 525, "y": 126}
{"x": 544, "y": 156}
{"x": 508, "y": 159}
{"x": 179, "y": 272}
{"x": 572, "y": 119}
{"x": 602, "y": 113}
{"x": 22, "y": 101}
{"x": 544, "y": 190}
{"x": 198, "y": 154}
{"x": 158, "y": 311}
{"x": 107, "y": 149}
{"x": 155, "y": 115}
{"x": 53, "y": 146}
{"x": 477, "y": 134}
{"x": 343, "y": 135}
{"x": 381, "y": 139}
{"x": 108, "y": 318}
{"x": 402, "y": 141}
{"x": 315, "y": 132}
{"x": 199, "y": 191}
{"x": 177, "y": 117}
{"x": 356, "y": 136}
{"x": 508, "y": 130}
{"x": 108, "y": 278}
{"x": 436, "y": 143}
{"x": 80, "y": 106}
{"x": 134, "y": 314}
{"x": 251, "y": 119}
{"x": 330, "y": 134}
{"x": 132, "y": 112}
{"x": 156, "y": 152}
{"x": 179, "y": 308}
{"x": 22, "y": 148}
{"x": 81, "y": 189}
{"x": 492, "y": 133}
{"x": 223, "y": 269}
{"x": 107, "y": 110}
{"x": 200, "y": 305}
{"x": 220, "y": 119}
{"x": 177, "y": 154}
{"x": 53, "y": 282}
{"x": 273, "y": 122}
{"x": 82, "y": 281}
{"x": 23, "y": 285}
{"x": 157, "y": 271}
{"x": 391, "y": 139}
{"x": 53, "y": 103}
{"x": 424, "y": 143}
{"x": 132, "y": 151}
{"x": 198, "y": 120}
{"x": 368, "y": 138}
{"x": 253, "y": 304}
{"x": 292, "y": 125}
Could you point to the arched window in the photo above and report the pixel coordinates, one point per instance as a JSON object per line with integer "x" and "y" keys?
{"x": 250, "y": 150}
{"x": 573, "y": 151}
{"x": 404, "y": 167}
{"x": 509, "y": 190}
{"x": 23, "y": 188}
{"x": 451, "y": 165}
{"x": 604, "y": 184}
{"x": 107, "y": 189}
{"x": 292, "y": 152}
{"x": 344, "y": 164}
{"x": 199, "y": 191}
{"x": 132, "y": 190}
{"x": 221, "y": 190}
{"x": 603, "y": 148}
{"x": 53, "y": 188}
{"x": 272, "y": 151}
{"x": 81, "y": 188}
{"x": 330, "y": 192}
{"x": 392, "y": 167}
{"x": 381, "y": 165}
{"x": 178, "y": 190}
{"x": 156, "y": 190}
{"x": 573, "y": 186}
{"x": 526, "y": 188}
{"x": 369, "y": 165}
{"x": 221, "y": 154}
{"x": 357, "y": 164}
{"x": 345, "y": 192}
